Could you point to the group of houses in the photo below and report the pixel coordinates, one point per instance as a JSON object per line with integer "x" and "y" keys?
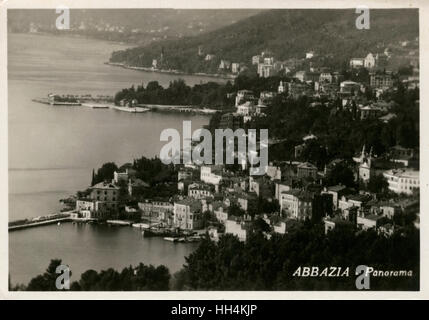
{"x": 298, "y": 187}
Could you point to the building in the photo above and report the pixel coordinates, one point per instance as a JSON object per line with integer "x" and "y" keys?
{"x": 243, "y": 96}
{"x": 106, "y": 192}
{"x": 211, "y": 174}
{"x": 246, "y": 200}
{"x": 232, "y": 121}
{"x": 402, "y": 180}
{"x": 385, "y": 208}
{"x": 187, "y": 214}
{"x": 357, "y": 62}
{"x": 369, "y": 61}
{"x": 312, "y": 76}
{"x": 235, "y": 67}
{"x": 238, "y": 228}
{"x": 101, "y": 201}
{"x": 280, "y": 187}
{"x": 261, "y": 186}
{"x": 154, "y": 63}
{"x": 296, "y": 90}
{"x": 224, "y": 65}
{"x": 282, "y": 87}
{"x": 220, "y": 210}
{"x": 349, "y": 87}
{"x": 266, "y": 70}
{"x": 370, "y": 221}
{"x": 337, "y": 192}
{"x": 406, "y": 156}
{"x": 246, "y": 109}
{"x": 85, "y": 208}
{"x": 332, "y": 223}
{"x": 300, "y": 75}
{"x": 200, "y": 191}
{"x": 325, "y": 77}
{"x": 266, "y": 97}
{"x": 136, "y": 185}
{"x": 353, "y": 200}
{"x": 274, "y": 172}
{"x": 256, "y": 60}
{"x": 381, "y": 80}
{"x": 296, "y": 204}
{"x": 184, "y": 174}
{"x": 309, "y": 55}
{"x": 120, "y": 176}
{"x": 306, "y": 170}
{"x": 156, "y": 209}
{"x": 209, "y": 57}
{"x": 370, "y": 112}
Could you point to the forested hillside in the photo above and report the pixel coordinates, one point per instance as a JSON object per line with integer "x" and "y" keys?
{"x": 286, "y": 33}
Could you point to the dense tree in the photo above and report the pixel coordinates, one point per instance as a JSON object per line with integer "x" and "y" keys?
{"x": 378, "y": 184}
{"x": 140, "y": 278}
{"x": 105, "y": 173}
{"x": 330, "y": 33}
{"x": 341, "y": 174}
{"x": 269, "y": 264}
{"x": 46, "y": 281}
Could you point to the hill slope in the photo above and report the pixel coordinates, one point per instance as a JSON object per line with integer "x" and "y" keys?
{"x": 138, "y": 26}
{"x": 286, "y": 33}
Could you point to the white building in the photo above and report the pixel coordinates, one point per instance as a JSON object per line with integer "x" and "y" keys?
{"x": 325, "y": 77}
{"x": 357, "y": 62}
{"x": 243, "y": 96}
{"x": 369, "y": 221}
{"x": 369, "y": 61}
{"x": 211, "y": 174}
{"x": 296, "y": 204}
{"x": 120, "y": 176}
{"x": 235, "y": 67}
{"x": 402, "y": 180}
{"x": 221, "y": 212}
{"x": 237, "y": 228}
{"x": 282, "y": 87}
{"x": 187, "y": 214}
{"x": 199, "y": 191}
{"x": 309, "y": 55}
{"x": 256, "y": 59}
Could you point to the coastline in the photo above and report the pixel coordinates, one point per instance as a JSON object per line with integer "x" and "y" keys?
{"x": 76, "y": 36}
{"x": 175, "y": 72}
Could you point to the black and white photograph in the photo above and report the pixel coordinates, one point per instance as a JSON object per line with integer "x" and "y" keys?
{"x": 213, "y": 149}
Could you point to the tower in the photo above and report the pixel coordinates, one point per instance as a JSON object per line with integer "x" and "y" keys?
{"x": 365, "y": 166}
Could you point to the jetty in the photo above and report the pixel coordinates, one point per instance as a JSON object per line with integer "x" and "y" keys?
{"x": 55, "y": 103}
{"x": 39, "y": 221}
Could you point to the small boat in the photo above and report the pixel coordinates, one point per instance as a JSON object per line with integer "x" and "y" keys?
{"x": 172, "y": 239}
{"x": 59, "y": 223}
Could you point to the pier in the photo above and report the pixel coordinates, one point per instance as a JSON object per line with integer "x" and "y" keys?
{"x": 37, "y": 223}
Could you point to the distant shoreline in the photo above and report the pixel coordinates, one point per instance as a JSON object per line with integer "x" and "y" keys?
{"x": 75, "y": 36}
{"x": 175, "y": 72}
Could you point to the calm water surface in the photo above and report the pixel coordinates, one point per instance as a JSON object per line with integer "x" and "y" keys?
{"x": 52, "y": 151}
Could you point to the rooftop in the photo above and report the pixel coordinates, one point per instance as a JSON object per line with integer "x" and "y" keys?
{"x": 300, "y": 194}
{"x": 336, "y": 188}
{"x": 403, "y": 173}
{"x": 105, "y": 185}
